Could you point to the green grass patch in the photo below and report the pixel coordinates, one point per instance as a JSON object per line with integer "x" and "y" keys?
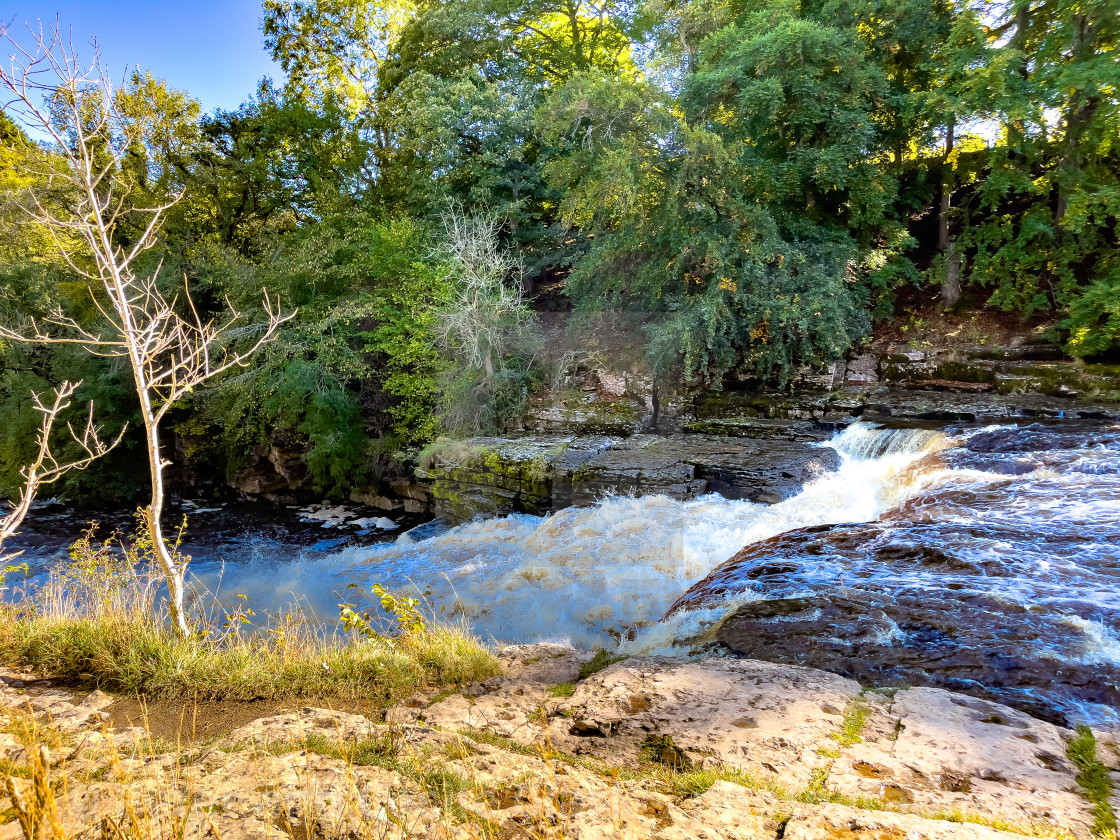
{"x": 375, "y": 751}
{"x": 10, "y": 768}
{"x": 562, "y": 690}
{"x": 1000, "y": 824}
{"x": 502, "y": 742}
{"x": 1096, "y": 784}
{"x": 691, "y": 783}
{"x": 441, "y": 784}
{"x": 600, "y": 661}
{"x": 855, "y": 718}
{"x": 102, "y": 618}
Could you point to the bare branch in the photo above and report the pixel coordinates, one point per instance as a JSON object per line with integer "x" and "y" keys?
{"x": 486, "y": 311}
{"x": 46, "y": 467}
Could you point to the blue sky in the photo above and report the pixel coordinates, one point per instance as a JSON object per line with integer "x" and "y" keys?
{"x": 211, "y": 48}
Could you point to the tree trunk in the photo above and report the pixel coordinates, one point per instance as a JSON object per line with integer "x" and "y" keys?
{"x": 174, "y": 572}
{"x": 947, "y": 181}
{"x": 1080, "y": 108}
{"x": 951, "y": 285}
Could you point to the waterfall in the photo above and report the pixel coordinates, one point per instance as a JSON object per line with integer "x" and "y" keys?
{"x": 598, "y": 575}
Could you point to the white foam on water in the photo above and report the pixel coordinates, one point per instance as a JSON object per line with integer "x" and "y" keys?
{"x": 1099, "y": 644}
{"x": 598, "y": 574}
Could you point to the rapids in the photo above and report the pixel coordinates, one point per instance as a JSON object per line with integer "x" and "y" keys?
{"x": 982, "y": 559}
{"x": 602, "y": 574}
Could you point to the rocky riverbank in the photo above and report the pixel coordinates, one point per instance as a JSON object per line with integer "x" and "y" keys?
{"x": 643, "y": 748}
{"x": 613, "y": 432}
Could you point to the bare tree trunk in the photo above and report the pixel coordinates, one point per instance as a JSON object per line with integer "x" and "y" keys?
{"x": 174, "y": 572}
{"x": 951, "y": 286}
{"x": 951, "y": 283}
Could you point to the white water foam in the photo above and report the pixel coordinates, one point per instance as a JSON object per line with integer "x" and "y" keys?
{"x": 600, "y": 574}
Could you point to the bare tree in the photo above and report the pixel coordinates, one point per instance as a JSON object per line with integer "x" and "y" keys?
{"x": 46, "y": 467}
{"x": 170, "y": 348}
{"x": 486, "y": 313}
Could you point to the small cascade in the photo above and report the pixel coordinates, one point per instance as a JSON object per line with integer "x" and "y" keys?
{"x": 866, "y": 441}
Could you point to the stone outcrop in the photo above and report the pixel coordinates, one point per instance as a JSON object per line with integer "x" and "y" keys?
{"x": 654, "y": 748}
{"x": 1029, "y": 368}
{"x": 402, "y": 494}
{"x": 609, "y": 432}
{"x": 498, "y": 475}
{"x": 541, "y": 474}
{"x": 805, "y": 733}
{"x": 731, "y": 412}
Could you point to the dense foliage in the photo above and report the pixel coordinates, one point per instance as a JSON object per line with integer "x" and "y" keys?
{"x": 754, "y": 181}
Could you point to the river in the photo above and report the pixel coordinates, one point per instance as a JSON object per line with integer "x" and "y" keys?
{"x": 983, "y": 559}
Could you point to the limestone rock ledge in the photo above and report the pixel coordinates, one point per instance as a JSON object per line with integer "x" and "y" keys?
{"x": 649, "y": 747}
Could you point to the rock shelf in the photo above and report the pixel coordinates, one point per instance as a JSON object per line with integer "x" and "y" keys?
{"x": 645, "y": 748}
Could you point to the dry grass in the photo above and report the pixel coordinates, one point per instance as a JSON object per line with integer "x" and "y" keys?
{"x": 101, "y": 617}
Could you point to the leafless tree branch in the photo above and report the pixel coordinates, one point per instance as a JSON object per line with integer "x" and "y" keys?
{"x": 47, "y": 467}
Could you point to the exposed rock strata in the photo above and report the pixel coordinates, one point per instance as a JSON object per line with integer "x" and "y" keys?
{"x": 536, "y": 475}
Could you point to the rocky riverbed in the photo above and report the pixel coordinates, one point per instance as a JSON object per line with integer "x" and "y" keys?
{"x": 645, "y": 748}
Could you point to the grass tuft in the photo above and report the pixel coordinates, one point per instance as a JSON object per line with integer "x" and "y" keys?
{"x": 600, "y": 661}
{"x": 1096, "y": 784}
{"x": 855, "y": 718}
{"x": 562, "y": 690}
{"x": 1041, "y": 830}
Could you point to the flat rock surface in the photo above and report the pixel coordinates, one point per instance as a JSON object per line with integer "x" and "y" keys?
{"x": 683, "y": 466}
{"x": 747, "y": 751}
{"x": 766, "y": 719}
{"x": 939, "y": 751}
{"x": 839, "y": 821}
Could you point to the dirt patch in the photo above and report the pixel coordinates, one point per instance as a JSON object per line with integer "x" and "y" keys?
{"x": 919, "y": 321}
{"x": 188, "y": 721}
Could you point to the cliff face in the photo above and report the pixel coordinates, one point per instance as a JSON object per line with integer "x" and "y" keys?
{"x": 646, "y": 748}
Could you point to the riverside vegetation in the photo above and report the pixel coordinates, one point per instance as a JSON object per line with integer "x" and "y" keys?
{"x": 100, "y": 617}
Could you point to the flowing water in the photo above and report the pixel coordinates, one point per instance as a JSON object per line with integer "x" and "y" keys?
{"x": 985, "y": 560}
